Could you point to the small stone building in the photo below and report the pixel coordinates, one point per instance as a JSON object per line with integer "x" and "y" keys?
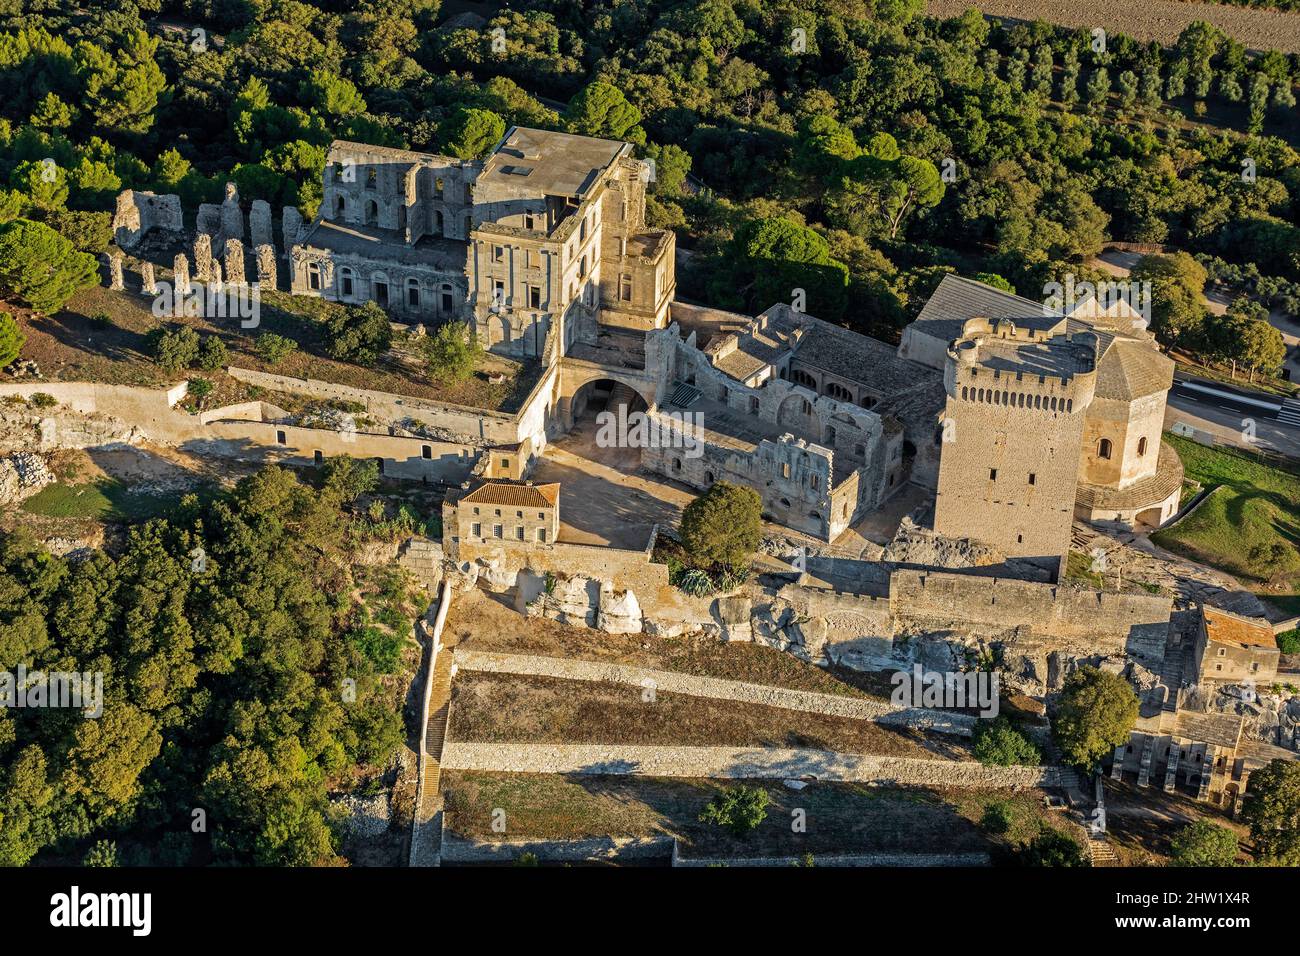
{"x": 1231, "y": 649}
{"x": 502, "y": 514}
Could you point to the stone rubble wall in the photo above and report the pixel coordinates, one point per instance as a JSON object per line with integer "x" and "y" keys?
{"x": 457, "y": 849}
{"x": 674, "y": 682}
{"x": 740, "y": 763}
{"x": 848, "y": 859}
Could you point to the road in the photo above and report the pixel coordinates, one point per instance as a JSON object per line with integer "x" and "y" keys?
{"x": 1226, "y": 418}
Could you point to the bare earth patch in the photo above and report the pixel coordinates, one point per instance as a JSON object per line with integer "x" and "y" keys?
{"x": 495, "y": 708}
{"x": 1163, "y": 20}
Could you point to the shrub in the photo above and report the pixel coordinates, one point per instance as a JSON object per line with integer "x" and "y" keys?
{"x": 1288, "y": 642}
{"x": 43, "y": 400}
{"x": 997, "y": 817}
{"x": 199, "y": 389}
{"x": 213, "y": 354}
{"x": 176, "y": 348}
{"x": 1052, "y": 848}
{"x": 1204, "y": 844}
{"x": 273, "y": 349}
{"x": 999, "y": 744}
{"x": 739, "y": 809}
{"x": 11, "y": 339}
{"x": 359, "y": 333}
{"x": 382, "y": 649}
{"x": 451, "y": 353}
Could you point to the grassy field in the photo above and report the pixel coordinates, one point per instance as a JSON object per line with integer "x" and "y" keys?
{"x": 841, "y": 818}
{"x": 101, "y": 500}
{"x": 501, "y": 708}
{"x": 1249, "y": 526}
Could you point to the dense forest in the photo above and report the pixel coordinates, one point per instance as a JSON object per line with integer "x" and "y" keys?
{"x": 240, "y": 680}
{"x": 850, "y": 148}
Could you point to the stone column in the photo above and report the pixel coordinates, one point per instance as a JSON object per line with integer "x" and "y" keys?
{"x": 202, "y": 257}
{"x": 291, "y": 226}
{"x": 215, "y": 280}
{"x": 115, "y": 271}
{"x": 232, "y": 219}
{"x": 259, "y": 223}
{"x": 266, "y": 271}
{"x": 181, "y": 270}
{"x": 147, "y": 284}
{"x": 235, "y": 262}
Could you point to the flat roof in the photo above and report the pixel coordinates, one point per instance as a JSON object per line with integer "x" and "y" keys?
{"x": 549, "y": 163}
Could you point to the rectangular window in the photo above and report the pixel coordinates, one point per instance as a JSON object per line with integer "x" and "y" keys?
{"x": 496, "y": 531}
{"x": 534, "y": 297}
{"x": 541, "y": 534}
{"x": 993, "y": 474}
{"x": 519, "y": 532}
{"x": 318, "y": 457}
{"x": 528, "y": 223}
{"x": 476, "y": 530}
{"x": 1031, "y": 478}
{"x": 280, "y": 439}
{"x": 426, "y": 451}
{"x": 498, "y": 254}
{"x": 625, "y": 289}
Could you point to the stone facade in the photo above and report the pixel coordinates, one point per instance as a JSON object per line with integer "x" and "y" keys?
{"x": 1231, "y": 649}
{"x": 502, "y": 514}
{"x": 138, "y": 213}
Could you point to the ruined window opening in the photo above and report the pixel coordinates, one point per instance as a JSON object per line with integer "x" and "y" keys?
{"x": 318, "y": 457}
{"x": 1032, "y": 476}
{"x": 582, "y": 268}
{"x": 313, "y": 275}
{"x": 426, "y": 452}
{"x": 381, "y": 291}
{"x": 529, "y": 222}
{"x": 413, "y": 293}
{"x": 372, "y": 178}
{"x": 534, "y": 297}
{"x": 993, "y": 474}
{"x": 340, "y": 206}
{"x": 441, "y": 227}
{"x": 625, "y": 289}
{"x": 1142, "y": 446}
{"x": 345, "y": 281}
{"x": 372, "y": 213}
{"x": 677, "y": 464}
{"x": 437, "y": 191}
{"x": 1103, "y": 448}
{"x": 447, "y": 303}
{"x": 753, "y": 404}
{"x": 498, "y": 254}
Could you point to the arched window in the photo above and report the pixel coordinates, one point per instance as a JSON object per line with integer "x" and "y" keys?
{"x": 340, "y": 206}
{"x": 441, "y": 229}
{"x": 447, "y": 304}
{"x": 1142, "y": 446}
{"x": 372, "y": 213}
{"x": 1103, "y": 448}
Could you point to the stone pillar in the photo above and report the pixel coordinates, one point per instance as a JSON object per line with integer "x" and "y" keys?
{"x": 235, "y": 262}
{"x": 291, "y": 226}
{"x": 266, "y": 271}
{"x": 215, "y": 279}
{"x": 259, "y": 224}
{"x": 202, "y": 257}
{"x": 147, "y": 284}
{"x": 232, "y": 219}
{"x": 181, "y": 271}
{"x": 115, "y": 271}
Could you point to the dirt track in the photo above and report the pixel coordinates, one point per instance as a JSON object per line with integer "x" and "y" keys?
{"x": 1163, "y": 20}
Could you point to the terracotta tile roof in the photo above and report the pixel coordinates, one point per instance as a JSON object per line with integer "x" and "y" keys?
{"x": 1228, "y": 628}
{"x": 514, "y": 495}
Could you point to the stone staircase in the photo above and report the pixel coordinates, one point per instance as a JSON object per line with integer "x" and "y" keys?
{"x": 435, "y": 731}
{"x": 1100, "y": 852}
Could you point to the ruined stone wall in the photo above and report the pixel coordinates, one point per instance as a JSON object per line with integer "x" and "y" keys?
{"x": 472, "y": 426}
{"x": 1109, "y": 623}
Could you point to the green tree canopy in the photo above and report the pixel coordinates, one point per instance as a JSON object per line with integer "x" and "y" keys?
{"x": 40, "y": 266}
{"x": 1094, "y": 715}
{"x": 723, "y": 526}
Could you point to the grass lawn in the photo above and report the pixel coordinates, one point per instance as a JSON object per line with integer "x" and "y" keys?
{"x": 840, "y": 818}
{"x": 1255, "y": 506}
{"x": 102, "y": 500}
